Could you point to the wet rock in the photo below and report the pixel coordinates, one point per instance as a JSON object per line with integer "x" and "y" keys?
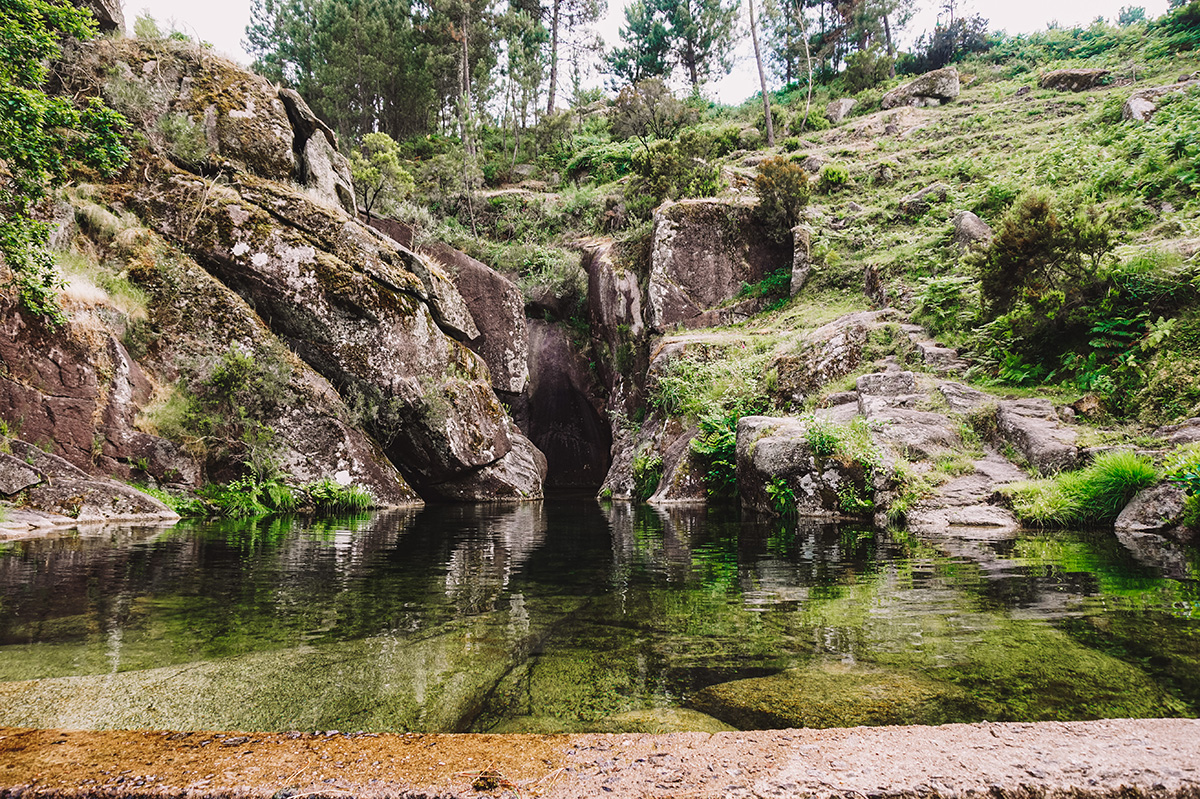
{"x": 933, "y": 88}
{"x": 831, "y": 695}
{"x": 1073, "y": 80}
{"x": 1158, "y": 510}
{"x": 660, "y": 720}
{"x": 703, "y": 252}
{"x": 919, "y": 202}
{"x": 1033, "y": 428}
{"x": 837, "y": 110}
{"x": 970, "y": 231}
{"x": 437, "y": 683}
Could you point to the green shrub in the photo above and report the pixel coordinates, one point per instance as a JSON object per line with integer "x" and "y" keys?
{"x": 327, "y": 496}
{"x": 791, "y": 144}
{"x": 716, "y": 446}
{"x": 1092, "y": 495}
{"x": 834, "y": 177}
{"x": 783, "y": 498}
{"x": 783, "y": 192}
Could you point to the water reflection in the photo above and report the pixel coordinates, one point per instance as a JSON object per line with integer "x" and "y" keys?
{"x": 568, "y": 615}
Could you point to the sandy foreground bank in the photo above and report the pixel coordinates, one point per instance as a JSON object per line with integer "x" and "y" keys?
{"x": 1126, "y": 758}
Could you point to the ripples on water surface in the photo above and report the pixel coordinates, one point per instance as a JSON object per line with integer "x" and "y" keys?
{"x": 568, "y": 615}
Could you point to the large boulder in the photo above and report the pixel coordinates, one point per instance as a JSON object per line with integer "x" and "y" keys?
{"x": 341, "y": 307}
{"x": 55, "y": 487}
{"x": 81, "y": 393}
{"x": 970, "y": 231}
{"x": 1142, "y": 104}
{"x": 497, "y": 308}
{"x": 920, "y": 201}
{"x": 703, "y": 252}
{"x": 824, "y": 355}
{"x": 194, "y": 107}
{"x": 837, "y": 110}
{"x": 933, "y": 88}
{"x": 108, "y": 14}
{"x": 1073, "y": 80}
{"x": 1034, "y": 429}
{"x": 196, "y": 321}
{"x": 1158, "y": 511}
{"x": 348, "y": 301}
{"x": 775, "y": 459}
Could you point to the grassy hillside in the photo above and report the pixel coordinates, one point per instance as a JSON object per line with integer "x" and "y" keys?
{"x": 1092, "y": 288}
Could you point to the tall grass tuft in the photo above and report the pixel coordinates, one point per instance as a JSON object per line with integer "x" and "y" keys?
{"x": 1095, "y": 494}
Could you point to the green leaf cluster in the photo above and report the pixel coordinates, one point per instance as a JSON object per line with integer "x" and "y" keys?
{"x": 43, "y": 139}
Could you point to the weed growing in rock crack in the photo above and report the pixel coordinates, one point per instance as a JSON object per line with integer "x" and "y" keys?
{"x": 1182, "y": 468}
{"x": 717, "y": 448}
{"x": 783, "y": 498}
{"x": 647, "y": 472}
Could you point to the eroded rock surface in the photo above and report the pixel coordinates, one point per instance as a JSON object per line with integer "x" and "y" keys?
{"x": 1073, "y": 80}
{"x": 1032, "y": 426}
{"x": 933, "y": 88}
{"x": 703, "y": 251}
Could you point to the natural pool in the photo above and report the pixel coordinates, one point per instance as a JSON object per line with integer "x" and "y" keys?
{"x": 571, "y": 615}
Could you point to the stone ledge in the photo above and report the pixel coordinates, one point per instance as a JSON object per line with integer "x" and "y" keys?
{"x": 1125, "y": 758}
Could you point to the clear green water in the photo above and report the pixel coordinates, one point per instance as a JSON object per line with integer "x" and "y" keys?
{"x": 570, "y": 615}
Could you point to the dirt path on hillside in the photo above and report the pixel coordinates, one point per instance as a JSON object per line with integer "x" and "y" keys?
{"x": 1126, "y": 758}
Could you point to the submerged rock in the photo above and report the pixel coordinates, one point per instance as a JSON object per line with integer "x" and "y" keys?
{"x": 831, "y": 695}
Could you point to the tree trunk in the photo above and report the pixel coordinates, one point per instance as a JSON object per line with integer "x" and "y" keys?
{"x": 762, "y": 80}
{"x": 553, "y": 55}
{"x": 891, "y": 49}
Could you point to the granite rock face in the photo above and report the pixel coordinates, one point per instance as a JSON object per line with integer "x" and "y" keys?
{"x": 370, "y": 336}
{"x": 703, "y": 251}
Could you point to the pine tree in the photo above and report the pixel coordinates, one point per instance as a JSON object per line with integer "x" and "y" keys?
{"x": 647, "y": 49}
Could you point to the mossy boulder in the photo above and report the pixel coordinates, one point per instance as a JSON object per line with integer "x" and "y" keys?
{"x": 779, "y": 470}
{"x": 831, "y": 695}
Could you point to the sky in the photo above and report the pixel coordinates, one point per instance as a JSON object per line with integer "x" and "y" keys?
{"x": 223, "y": 22}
